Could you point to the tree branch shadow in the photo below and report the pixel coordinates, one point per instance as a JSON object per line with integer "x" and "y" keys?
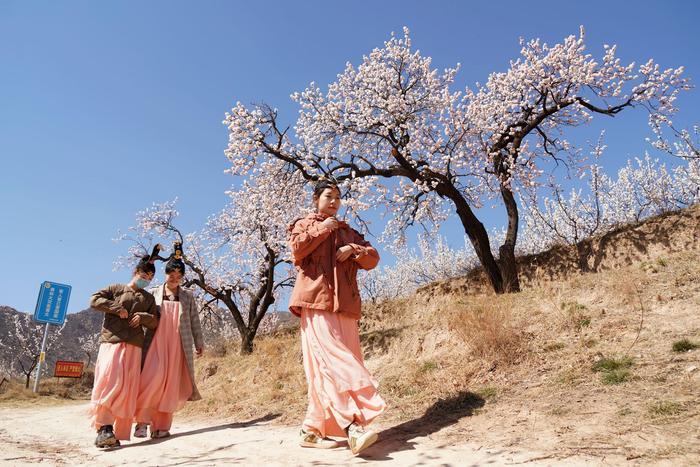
{"x": 226, "y": 426}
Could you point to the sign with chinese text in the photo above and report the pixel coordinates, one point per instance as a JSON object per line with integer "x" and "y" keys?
{"x": 52, "y": 304}
{"x": 66, "y": 369}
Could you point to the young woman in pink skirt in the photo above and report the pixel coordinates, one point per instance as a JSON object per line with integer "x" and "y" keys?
{"x": 127, "y": 308}
{"x": 167, "y": 378}
{"x": 343, "y": 397}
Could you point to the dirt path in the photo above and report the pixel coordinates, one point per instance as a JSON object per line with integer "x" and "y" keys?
{"x": 59, "y": 435}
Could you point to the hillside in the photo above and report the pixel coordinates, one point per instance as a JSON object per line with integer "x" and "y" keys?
{"x": 593, "y": 361}
{"x": 580, "y": 363}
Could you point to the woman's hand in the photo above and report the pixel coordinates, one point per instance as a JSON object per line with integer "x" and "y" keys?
{"x": 135, "y": 321}
{"x": 343, "y": 253}
{"x": 360, "y": 254}
{"x": 330, "y": 223}
{"x": 123, "y": 313}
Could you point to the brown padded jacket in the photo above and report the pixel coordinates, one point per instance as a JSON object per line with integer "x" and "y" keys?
{"x": 322, "y": 282}
{"x": 137, "y": 302}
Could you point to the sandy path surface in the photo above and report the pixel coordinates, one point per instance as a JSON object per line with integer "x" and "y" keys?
{"x": 59, "y": 435}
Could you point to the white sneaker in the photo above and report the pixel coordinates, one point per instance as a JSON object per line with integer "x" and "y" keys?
{"x": 312, "y": 440}
{"x": 141, "y": 430}
{"x": 360, "y": 439}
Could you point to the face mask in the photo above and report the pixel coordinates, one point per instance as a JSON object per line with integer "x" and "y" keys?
{"x": 142, "y": 283}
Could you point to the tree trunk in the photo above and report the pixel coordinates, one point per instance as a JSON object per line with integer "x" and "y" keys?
{"x": 479, "y": 238}
{"x": 509, "y": 269}
{"x": 247, "y": 343}
{"x": 506, "y": 253}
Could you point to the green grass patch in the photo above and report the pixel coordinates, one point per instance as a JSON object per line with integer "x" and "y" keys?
{"x": 685, "y": 345}
{"x": 612, "y": 364}
{"x": 666, "y": 409}
{"x": 614, "y": 370}
{"x": 616, "y": 376}
{"x": 427, "y": 367}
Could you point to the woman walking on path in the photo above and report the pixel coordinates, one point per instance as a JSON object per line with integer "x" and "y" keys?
{"x": 127, "y": 307}
{"x": 167, "y": 379}
{"x": 343, "y": 397}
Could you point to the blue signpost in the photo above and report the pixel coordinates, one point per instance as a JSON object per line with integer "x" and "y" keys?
{"x": 51, "y": 308}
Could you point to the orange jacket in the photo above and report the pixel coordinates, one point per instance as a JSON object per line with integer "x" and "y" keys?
{"x": 323, "y": 283}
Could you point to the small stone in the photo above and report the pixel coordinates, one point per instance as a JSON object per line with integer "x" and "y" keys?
{"x": 691, "y": 369}
{"x": 210, "y": 370}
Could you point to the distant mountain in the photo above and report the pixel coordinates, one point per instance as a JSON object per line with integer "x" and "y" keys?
{"x": 87, "y": 323}
{"x": 79, "y": 325}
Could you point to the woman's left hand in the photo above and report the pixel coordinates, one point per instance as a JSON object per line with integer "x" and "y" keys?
{"x": 135, "y": 321}
{"x": 343, "y": 253}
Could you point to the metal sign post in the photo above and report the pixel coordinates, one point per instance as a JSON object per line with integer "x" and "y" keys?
{"x": 51, "y": 308}
{"x": 42, "y": 357}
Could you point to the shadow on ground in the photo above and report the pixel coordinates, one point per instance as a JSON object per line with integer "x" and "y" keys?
{"x": 441, "y": 414}
{"x": 206, "y": 429}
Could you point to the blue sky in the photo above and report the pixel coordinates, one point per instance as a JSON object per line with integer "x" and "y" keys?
{"x": 106, "y": 107}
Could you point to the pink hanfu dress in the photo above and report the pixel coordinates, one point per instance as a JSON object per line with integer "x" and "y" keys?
{"x": 116, "y": 389}
{"x": 165, "y": 381}
{"x": 341, "y": 390}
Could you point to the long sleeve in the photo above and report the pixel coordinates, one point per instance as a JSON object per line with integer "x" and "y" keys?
{"x": 149, "y": 319}
{"x": 305, "y": 238}
{"x": 103, "y": 300}
{"x": 196, "y": 326}
{"x": 366, "y": 256}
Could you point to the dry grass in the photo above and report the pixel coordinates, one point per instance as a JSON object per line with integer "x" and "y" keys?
{"x": 489, "y": 329}
{"x": 268, "y": 382}
{"x": 51, "y": 391}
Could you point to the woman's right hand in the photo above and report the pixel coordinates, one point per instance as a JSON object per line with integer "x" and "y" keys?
{"x": 331, "y": 223}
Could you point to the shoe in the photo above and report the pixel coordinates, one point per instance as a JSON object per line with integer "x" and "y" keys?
{"x": 105, "y": 437}
{"x": 312, "y": 440}
{"x": 141, "y": 430}
{"x": 360, "y": 439}
{"x": 160, "y": 434}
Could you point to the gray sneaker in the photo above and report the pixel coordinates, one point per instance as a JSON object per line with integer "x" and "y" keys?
{"x": 360, "y": 439}
{"x": 105, "y": 437}
{"x": 309, "y": 439}
{"x": 160, "y": 434}
{"x": 141, "y": 430}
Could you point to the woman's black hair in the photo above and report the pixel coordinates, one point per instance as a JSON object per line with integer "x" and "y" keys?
{"x": 174, "y": 264}
{"x": 323, "y": 184}
{"x": 175, "y": 261}
{"x": 146, "y": 263}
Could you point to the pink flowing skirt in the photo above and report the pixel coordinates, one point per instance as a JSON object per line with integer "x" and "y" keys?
{"x": 341, "y": 390}
{"x": 165, "y": 380}
{"x": 116, "y": 387}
